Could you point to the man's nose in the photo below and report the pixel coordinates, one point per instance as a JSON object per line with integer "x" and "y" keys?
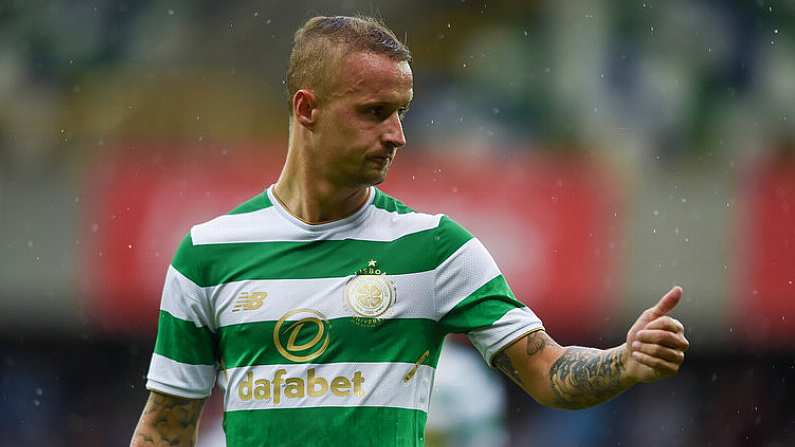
{"x": 394, "y": 135}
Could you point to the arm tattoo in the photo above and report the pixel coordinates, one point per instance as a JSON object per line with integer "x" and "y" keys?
{"x": 536, "y": 342}
{"x": 504, "y": 364}
{"x": 168, "y": 421}
{"x": 582, "y": 377}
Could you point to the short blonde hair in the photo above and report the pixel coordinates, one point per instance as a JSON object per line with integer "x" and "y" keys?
{"x": 322, "y": 42}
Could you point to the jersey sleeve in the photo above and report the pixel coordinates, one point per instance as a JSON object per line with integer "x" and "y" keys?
{"x": 473, "y": 297}
{"x": 184, "y": 360}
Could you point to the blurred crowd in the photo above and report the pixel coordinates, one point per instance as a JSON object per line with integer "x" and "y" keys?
{"x": 653, "y": 78}
{"x": 680, "y": 99}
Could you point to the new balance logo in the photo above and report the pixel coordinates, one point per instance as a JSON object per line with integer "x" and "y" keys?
{"x": 249, "y": 301}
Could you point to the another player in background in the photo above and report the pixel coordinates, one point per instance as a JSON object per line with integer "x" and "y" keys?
{"x": 321, "y": 304}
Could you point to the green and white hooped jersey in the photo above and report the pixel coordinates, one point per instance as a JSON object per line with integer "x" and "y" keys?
{"x": 326, "y": 334}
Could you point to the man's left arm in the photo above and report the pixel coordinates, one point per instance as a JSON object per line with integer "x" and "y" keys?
{"x": 575, "y": 377}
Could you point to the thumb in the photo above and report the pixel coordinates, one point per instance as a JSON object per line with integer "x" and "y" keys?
{"x": 668, "y": 301}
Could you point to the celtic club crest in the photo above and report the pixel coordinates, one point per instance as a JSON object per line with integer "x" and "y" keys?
{"x": 370, "y": 292}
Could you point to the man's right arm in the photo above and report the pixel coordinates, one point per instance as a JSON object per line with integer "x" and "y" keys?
{"x": 168, "y": 421}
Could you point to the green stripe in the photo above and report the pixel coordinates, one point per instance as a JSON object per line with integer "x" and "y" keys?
{"x": 482, "y": 308}
{"x": 213, "y": 264}
{"x": 182, "y": 341}
{"x": 258, "y": 202}
{"x": 326, "y": 426}
{"x": 449, "y": 238}
{"x": 388, "y": 203}
{"x": 350, "y": 340}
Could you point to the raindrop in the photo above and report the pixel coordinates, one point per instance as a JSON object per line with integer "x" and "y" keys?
{"x": 94, "y": 228}
{"x": 129, "y": 245}
{"x": 30, "y": 244}
{"x": 39, "y": 391}
{"x": 525, "y": 33}
{"x": 775, "y": 31}
{"x": 36, "y": 402}
{"x": 171, "y": 12}
{"x": 656, "y": 212}
{"x": 683, "y": 200}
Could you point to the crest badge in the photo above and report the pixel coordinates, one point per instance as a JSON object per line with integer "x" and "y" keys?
{"x": 370, "y": 294}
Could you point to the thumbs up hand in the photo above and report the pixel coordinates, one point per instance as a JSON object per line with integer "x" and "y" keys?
{"x": 656, "y": 343}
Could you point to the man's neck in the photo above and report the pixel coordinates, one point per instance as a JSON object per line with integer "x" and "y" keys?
{"x": 314, "y": 200}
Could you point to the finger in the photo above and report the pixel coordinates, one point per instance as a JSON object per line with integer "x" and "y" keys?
{"x": 670, "y": 355}
{"x": 655, "y": 363}
{"x": 666, "y": 323}
{"x": 675, "y": 340}
{"x": 668, "y": 301}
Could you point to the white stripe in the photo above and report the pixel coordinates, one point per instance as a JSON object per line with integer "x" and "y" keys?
{"x": 515, "y": 323}
{"x": 268, "y": 225}
{"x": 325, "y": 295}
{"x": 183, "y": 299}
{"x": 180, "y": 379}
{"x": 465, "y": 271}
{"x": 383, "y": 386}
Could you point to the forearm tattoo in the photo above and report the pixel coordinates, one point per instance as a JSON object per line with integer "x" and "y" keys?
{"x": 168, "y": 421}
{"x": 582, "y": 377}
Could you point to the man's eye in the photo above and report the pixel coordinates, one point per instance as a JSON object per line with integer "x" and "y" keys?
{"x": 377, "y": 112}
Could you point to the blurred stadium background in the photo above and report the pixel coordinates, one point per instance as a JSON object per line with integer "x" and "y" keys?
{"x": 603, "y": 150}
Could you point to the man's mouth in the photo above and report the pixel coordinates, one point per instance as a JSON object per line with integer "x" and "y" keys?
{"x": 382, "y": 159}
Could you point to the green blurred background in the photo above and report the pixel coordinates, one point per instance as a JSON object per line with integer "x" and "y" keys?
{"x": 642, "y": 144}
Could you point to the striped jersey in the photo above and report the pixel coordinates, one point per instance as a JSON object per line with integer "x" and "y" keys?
{"x": 326, "y": 334}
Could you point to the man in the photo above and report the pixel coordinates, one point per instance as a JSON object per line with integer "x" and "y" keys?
{"x": 321, "y": 304}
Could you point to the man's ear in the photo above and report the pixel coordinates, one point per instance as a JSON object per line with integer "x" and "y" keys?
{"x": 305, "y": 107}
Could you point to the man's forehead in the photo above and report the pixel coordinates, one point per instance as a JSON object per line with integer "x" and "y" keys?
{"x": 365, "y": 74}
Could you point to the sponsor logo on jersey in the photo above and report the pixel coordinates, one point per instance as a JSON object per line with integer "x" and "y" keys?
{"x": 301, "y": 335}
{"x": 276, "y": 388}
{"x": 369, "y": 295}
{"x": 249, "y": 301}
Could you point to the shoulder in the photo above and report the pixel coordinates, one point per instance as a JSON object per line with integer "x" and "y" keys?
{"x": 448, "y": 235}
{"x": 391, "y": 219}
{"x": 241, "y": 224}
{"x": 196, "y": 247}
